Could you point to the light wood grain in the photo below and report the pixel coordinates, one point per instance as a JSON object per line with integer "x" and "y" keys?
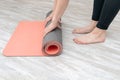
{"x": 77, "y": 62}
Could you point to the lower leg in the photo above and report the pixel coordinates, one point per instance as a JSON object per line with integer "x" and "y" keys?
{"x": 97, "y": 7}
{"x": 86, "y": 29}
{"x": 109, "y": 11}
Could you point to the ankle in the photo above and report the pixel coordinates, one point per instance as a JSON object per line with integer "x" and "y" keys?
{"x": 92, "y": 25}
{"x": 94, "y": 22}
{"x": 98, "y": 31}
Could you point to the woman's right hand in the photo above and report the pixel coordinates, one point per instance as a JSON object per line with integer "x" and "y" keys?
{"x": 51, "y": 27}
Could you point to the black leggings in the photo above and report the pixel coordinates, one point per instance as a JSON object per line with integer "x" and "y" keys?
{"x": 104, "y": 12}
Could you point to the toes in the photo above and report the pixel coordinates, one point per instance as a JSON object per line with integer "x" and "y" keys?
{"x": 48, "y": 19}
{"x": 78, "y": 41}
{"x": 75, "y": 41}
{"x": 77, "y": 31}
{"x": 74, "y": 31}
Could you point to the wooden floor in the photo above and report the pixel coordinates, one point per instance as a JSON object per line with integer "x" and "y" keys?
{"x": 77, "y": 62}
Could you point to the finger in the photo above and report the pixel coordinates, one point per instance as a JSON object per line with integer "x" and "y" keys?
{"x": 48, "y": 19}
{"x": 60, "y": 21}
{"x": 59, "y": 27}
{"x": 48, "y": 29}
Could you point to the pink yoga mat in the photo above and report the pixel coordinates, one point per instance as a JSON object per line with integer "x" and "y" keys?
{"x": 27, "y": 40}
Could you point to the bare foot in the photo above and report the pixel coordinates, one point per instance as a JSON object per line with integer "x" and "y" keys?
{"x": 86, "y": 29}
{"x": 96, "y": 36}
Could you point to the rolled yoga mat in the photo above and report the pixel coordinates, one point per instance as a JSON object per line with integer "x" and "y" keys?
{"x": 52, "y": 43}
{"x": 28, "y": 40}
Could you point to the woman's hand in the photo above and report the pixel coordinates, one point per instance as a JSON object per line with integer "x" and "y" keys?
{"x": 49, "y": 17}
{"x": 51, "y": 27}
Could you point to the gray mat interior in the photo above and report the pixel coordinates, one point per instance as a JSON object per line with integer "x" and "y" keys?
{"x": 54, "y": 35}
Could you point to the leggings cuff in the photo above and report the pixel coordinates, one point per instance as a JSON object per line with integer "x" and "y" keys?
{"x": 94, "y": 19}
{"x": 103, "y": 27}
